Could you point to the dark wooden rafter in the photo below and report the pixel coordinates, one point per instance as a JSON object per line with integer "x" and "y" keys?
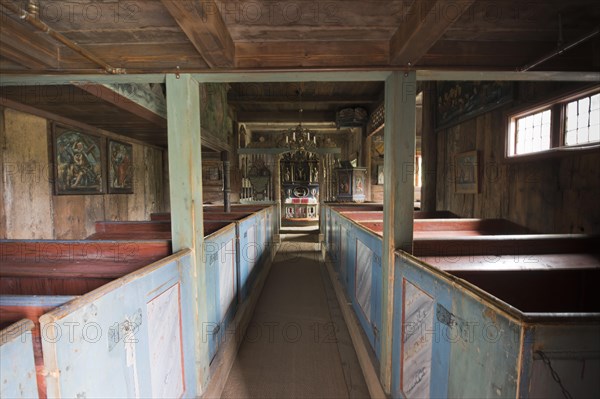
{"x": 283, "y": 100}
{"x": 204, "y": 26}
{"x": 285, "y": 116}
{"x": 423, "y": 25}
{"x": 20, "y": 44}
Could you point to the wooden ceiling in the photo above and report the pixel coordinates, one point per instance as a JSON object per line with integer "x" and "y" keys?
{"x": 166, "y": 36}
{"x": 144, "y": 36}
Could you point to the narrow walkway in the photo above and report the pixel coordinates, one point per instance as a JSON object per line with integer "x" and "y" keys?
{"x": 297, "y": 344}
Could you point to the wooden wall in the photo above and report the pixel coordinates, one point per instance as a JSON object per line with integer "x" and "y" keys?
{"x": 558, "y": 194}
{"x": 29, "y": 210}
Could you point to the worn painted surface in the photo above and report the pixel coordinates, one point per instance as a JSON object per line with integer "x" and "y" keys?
{"x": 166, "y": 356}
{"x": 17, "y": 376}
{"x": 356, "y": 255}
{"x": 474, "y": 346}
{"x": 415, "y": 364}
{"x": 221, "y": 285}
{"x": 115, "y": 329}
{"x": 255, "y": 235}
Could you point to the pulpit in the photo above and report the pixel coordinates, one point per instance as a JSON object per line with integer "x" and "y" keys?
{"x": 351, "y": 184}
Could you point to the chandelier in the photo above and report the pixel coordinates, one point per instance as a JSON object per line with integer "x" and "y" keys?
{"x": 299, "y": 138}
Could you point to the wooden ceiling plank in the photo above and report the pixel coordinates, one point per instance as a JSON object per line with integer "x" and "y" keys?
{"x": 17, "y": 37}
{"x": 312, "y": 54}
{"x": 202, "y": 23}
{"x": 423, "y": 26}
{"x": 16, "y": 55}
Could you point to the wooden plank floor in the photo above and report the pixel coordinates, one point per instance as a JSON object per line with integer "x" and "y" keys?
{"x": 297, "y": 345}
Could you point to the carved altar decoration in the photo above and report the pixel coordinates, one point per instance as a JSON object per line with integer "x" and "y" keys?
{"x": 299, "y": 185}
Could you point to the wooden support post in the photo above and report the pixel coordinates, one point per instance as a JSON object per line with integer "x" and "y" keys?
{"x": 398, "y": 200}
{"x": 367, "y": 140}
{"x": 323, "y": 193}
{"x": 185, "y": 177}
{"x": 277, "y": 197}
{"x": 428, "y": 149}
{"x": 226, "y": 181}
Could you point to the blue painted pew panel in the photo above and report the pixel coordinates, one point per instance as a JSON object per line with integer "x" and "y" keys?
{"x": 17, "y": 307}
{"x": 132, "y": 330}
{"x": 221, "y": 285}
{"x": 451, "y": 338}
{"x": 18, "y": 376}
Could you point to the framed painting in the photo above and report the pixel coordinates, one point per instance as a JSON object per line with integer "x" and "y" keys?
{"x": 78, "y": 161}
{"x": 120, "y": 167}
{"x": 466, "y": 173}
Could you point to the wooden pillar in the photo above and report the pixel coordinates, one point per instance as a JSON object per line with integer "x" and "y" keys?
{"x": 323, "y": 192}
{"x": 428, "y": 149}
{"x": 398, "y": 199}
{"x": 185, "y": 176}
{"x": 277, "y": 196}
{"x": 367, "y": 163}
{"x": 226, "y": 181}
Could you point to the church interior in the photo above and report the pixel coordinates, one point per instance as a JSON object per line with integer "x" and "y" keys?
{"x": 299, "y": 199}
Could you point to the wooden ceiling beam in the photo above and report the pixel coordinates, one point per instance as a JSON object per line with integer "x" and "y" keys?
{"x": 203, "y": 24}
{"x": 20, "y": 44}
{"x": 285, "y": 100}
{"x": 285, "y": 116}
{"x": 424, "y": 24}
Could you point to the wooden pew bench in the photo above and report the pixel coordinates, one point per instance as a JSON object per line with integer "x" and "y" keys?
{"x": 132, "y": 230}
{"x": 235, "y": 208}
{"x": 425, "y": 228}
{"x": 534, "y": 273}
{"x": 48, "y": 267}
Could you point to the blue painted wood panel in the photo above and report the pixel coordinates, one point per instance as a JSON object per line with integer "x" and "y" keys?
{"x": 221, "y": 288}
{"x": 99, "y": 345}
{"x": 348, "y": 242}
{"x": 452, "y": 339}
{"x": 17, "y": 366}
{"x": 474, "y": 346}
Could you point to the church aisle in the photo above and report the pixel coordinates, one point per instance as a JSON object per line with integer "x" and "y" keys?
{"x": 297, "y": 344}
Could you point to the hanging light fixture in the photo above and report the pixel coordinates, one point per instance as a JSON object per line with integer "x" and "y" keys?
{"x": 299, "y": 138}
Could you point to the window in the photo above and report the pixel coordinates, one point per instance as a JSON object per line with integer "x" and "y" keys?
{"x": 567, "y": 122}
{"x": 583, "y": 120}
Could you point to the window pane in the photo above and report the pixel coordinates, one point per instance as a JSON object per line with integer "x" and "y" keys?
{"x": 595, "y": 101}
{"x": 582, "y": 123}
{"x": 533, "y": 133}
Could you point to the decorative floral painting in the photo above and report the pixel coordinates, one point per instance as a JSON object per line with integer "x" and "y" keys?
{"x": 78, "y": 159}
{"x": 120, "y": 167}
{"x": 459, "y": 101}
